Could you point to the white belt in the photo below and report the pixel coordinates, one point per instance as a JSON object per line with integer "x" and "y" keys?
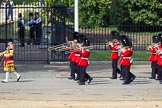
{"x": 114, "y": 51}
{"x": 126, "y": 57}
{"x": 77, "y": 54}
{"x": 84, "y": 58}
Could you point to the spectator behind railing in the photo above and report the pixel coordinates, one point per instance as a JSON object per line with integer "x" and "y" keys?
{"x": 10, "y": 5}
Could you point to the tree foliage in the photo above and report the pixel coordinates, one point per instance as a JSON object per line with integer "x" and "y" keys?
{"x": 92, "y": 12}
{"x": 114, "y": 12}
{"x": 145, "y": 11}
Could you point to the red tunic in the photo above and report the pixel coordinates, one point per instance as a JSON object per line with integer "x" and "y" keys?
{"x": 126, "y": 56}
{"x": 84, "y": 58}
{"x": 120, "y": 59}
{"x": 159, "y": 56}
{"x": 79, "y": 57}
{"x": 76, "y": 56}
{"x": 153, "y": 54}
{"x": 114, "y": 54}
{"x": 71, "y": 56}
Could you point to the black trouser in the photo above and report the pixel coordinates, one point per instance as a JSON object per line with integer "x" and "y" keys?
{"x": 132, "y": 76}
{"x": 121, "y": 72}
{"x": 159, "y": 72}
{"x": 70, "y": 65}
{"x": 83, "y": 74}
{"x": 115, "y": 68}
{"x": 127, "y": 76}
{"x": 87, "y": 76}
{"x": 73, "y": 69}
{"x": 77, "y": 71}
{"x": 38, "y": 31}
{"x": 21, "y": 35}
{"x": 154, "y": 67}
{"x": 32, "y": 34}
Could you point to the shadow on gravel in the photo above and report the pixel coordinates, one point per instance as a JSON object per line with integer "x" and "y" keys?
{"x": 141, "y": 82}
{"x": 96, "y": 82}
{"x": 23, "y": 81}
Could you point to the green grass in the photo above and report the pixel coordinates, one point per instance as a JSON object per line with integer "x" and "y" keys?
{"x": 104, "y": 55}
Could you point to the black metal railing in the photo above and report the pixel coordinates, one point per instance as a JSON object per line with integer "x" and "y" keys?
{"x": 56, "y": 26}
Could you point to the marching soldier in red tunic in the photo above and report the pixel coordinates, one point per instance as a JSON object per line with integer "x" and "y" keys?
{"x": 159, "y": 57}
{"x": 84, "y": 62}
{"x": 9, "y": 65}
{"x": 126, "y": 59}
{"x": 77, "y": 56}
{"x": 153, "y": 58}
{"x": 113, "y": 45}
{"x": 72, "y": 55}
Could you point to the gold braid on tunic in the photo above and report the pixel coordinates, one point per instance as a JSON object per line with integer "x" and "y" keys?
{"x": 8, "y": 54}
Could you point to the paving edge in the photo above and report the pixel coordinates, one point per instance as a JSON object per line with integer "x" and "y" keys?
{"x": 99, "y": 62}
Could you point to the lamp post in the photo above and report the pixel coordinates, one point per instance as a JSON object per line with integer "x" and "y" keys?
{"x": 76, "y": 13}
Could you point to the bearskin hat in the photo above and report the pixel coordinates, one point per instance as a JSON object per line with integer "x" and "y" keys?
{"x": 86, "y": 42}
{"x": 126, "y": 41}
{"x": 160, "y": 37}
{"x": 155, "y": 39}
{"x": 115, "y": 35}
{"x": 75, "y": 35}
{"x": 81, "y": 38}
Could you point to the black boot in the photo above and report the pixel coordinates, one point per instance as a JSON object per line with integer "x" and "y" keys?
{"x": 90, "y": 79}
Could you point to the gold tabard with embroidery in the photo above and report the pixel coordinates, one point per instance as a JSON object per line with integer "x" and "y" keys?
{"x": 9, "y": 65}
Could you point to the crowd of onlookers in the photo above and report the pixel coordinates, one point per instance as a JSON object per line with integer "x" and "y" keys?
{"x": 4, "y": 2}
{"x": 34, "y": 22}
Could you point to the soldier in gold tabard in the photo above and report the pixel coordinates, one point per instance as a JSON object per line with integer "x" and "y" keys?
{"x": 9, "y": 65}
